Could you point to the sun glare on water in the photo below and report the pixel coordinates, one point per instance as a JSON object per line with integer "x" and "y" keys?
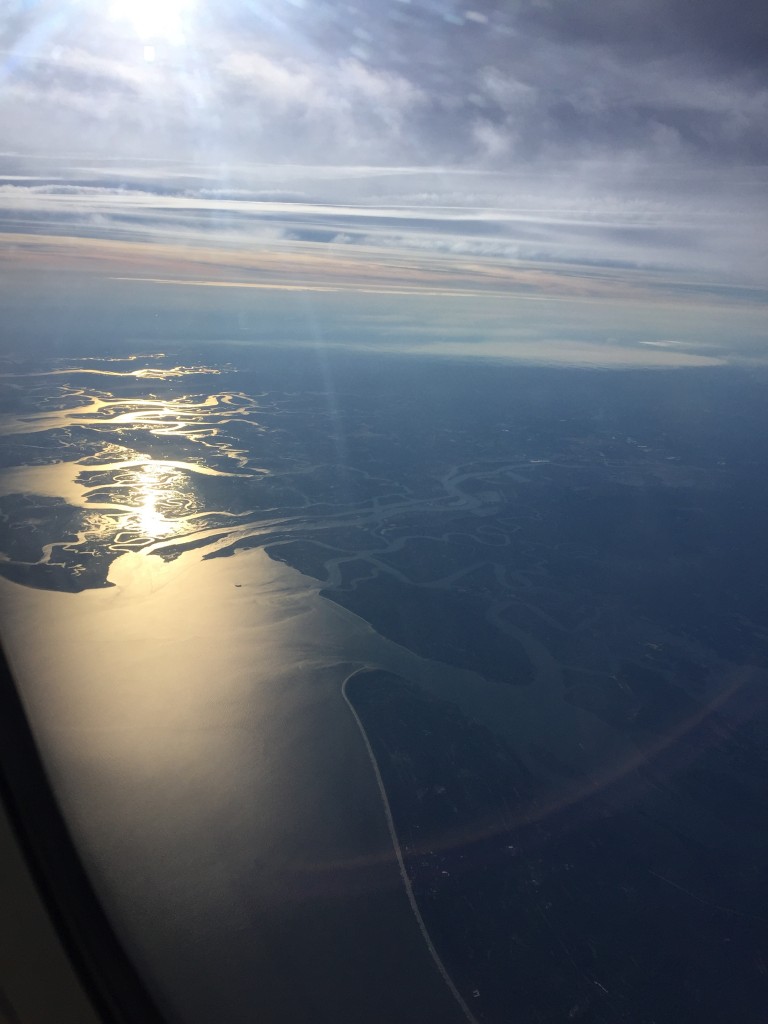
{"x": 161, "y": 499}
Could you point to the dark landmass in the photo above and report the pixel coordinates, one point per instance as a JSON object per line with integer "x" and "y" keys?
{"x": 602, "y": 909}
{"x": 594, "y": 537}
{"x": 443, "y": 625}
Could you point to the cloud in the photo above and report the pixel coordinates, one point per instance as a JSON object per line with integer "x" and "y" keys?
{"x": 701, "y": 30}
{"x": 585, "y": 134}
{"x": 587, "y": 218}
{"x": 390, "y": 83}
{"x": 309, "y": 106}
{"x": 563, "y": 352}
{"x": 62, "y": 189}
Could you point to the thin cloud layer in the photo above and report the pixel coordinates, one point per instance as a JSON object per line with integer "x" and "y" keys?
{"x": 498, "y": 219}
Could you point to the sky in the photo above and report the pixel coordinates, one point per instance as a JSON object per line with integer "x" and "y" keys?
{"x": 610, "y": 151}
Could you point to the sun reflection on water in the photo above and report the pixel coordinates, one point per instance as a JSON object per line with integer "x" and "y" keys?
{"x": 144, "y": 501}
{"x": 161, "y": 500}
{"x": 146, "y": 467}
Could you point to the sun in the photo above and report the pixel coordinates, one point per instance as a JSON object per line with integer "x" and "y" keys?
{"x": 153, "y": 19}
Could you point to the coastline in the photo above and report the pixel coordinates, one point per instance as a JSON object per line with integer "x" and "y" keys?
{"x": 192, "y": 721}
{"x": 399, "y": 854}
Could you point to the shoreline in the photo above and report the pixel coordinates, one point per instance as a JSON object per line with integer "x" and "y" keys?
{"x": 222, "y": 760}
{"x": 399, "y": 854}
